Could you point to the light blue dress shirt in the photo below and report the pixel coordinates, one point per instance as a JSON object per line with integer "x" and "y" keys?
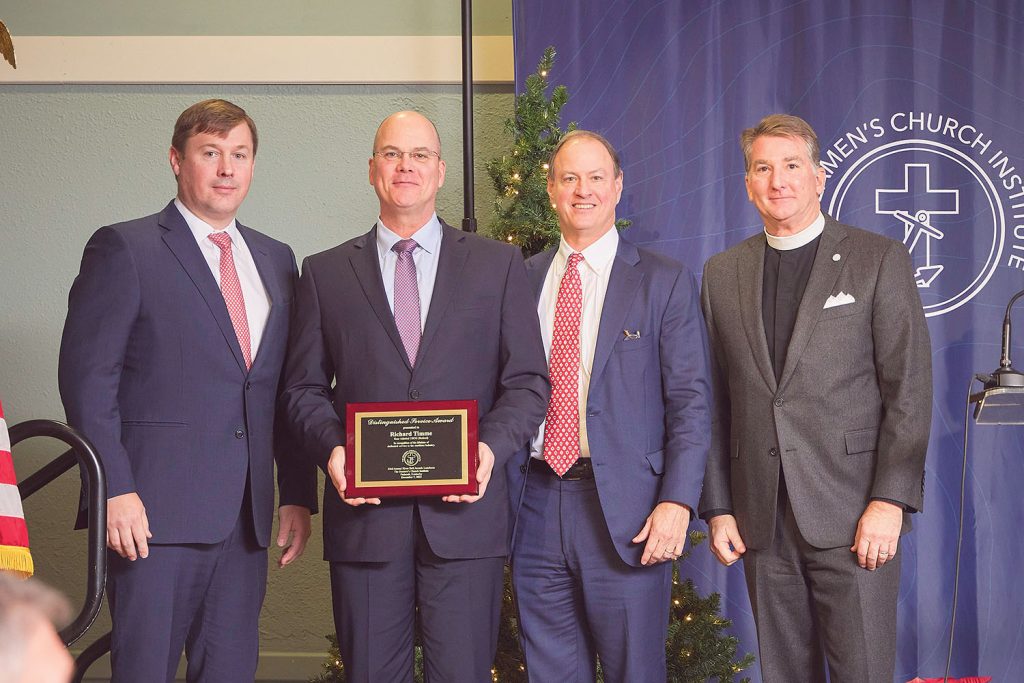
{"x": 425, "y": 257}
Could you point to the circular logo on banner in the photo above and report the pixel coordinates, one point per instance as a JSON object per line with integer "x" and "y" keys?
{"x": 411, "y": 458}
{"x": 937, "y": 187}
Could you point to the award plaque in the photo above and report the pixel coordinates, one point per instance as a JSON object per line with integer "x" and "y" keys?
{"x": 421, "y": 448}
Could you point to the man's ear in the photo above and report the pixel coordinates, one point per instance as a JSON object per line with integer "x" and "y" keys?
{"x": 175, "y": 158}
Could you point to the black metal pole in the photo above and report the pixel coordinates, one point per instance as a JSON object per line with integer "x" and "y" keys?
{"x": 469, "y": 211}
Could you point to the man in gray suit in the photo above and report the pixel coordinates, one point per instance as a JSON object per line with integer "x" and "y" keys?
{"x": 820, "y": 426}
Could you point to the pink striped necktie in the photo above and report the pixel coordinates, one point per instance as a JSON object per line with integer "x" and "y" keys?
{"x": 562, "y": 423}
{"x": 231, "y": 288}
{"x": 407, "y": 299}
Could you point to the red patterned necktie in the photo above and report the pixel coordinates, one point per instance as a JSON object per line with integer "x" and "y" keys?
{"x": 562, "y": 424}
{"x": 231, "y": 288}
{"x": 407, "y": 299}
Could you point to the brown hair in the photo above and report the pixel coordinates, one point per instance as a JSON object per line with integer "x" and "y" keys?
{"x": 580, "y": 133}
{"x": 781, "y": 126}
{"x": 211, "y": 116}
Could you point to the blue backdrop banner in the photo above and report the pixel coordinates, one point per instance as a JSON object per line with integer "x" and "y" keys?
{"x": 918, "y": 107}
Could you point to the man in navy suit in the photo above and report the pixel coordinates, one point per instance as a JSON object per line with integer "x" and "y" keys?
{"x": 170, "y": 364}
{"x": 415, "y": 310}
{"x": 617, "y": 466}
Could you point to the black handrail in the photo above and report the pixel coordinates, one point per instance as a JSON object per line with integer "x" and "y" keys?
{"x": 90, "y": 655}
{"x": 95, "y": 482}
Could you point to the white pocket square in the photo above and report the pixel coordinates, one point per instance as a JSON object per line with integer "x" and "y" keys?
{"x": 840, "y": 299}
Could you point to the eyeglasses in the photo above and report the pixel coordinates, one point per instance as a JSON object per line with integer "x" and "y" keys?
{"x": 419, "y": 156}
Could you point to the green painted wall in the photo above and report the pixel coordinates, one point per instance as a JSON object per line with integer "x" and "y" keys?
{"x": 251, "y": 17}
{"x": 74, "y": 158}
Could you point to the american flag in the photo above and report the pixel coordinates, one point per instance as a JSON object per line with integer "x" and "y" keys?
{"x": 14, "y": 553}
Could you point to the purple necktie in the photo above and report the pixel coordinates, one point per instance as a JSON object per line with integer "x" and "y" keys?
{"x": 407, "y": 298}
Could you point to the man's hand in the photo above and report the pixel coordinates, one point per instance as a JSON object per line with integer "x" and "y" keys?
{"x": 294, "y": 529}
{"x": 128, "y": 526}
{"x": 483, "y": 476}
{"x": 726, "y": 543}
{"x": 878, "y": 534}
{"x": 336, "y": 470}
{"x": 665, "y": 533}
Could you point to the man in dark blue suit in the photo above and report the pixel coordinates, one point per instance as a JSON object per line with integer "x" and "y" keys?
{"x": 415, "y": 310}
{"x": 170, "y": 364}
{"x": 617, "y": 466}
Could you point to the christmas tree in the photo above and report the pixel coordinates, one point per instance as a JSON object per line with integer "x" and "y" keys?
{"x": 697, "y": 648}
{"x": 523, "y": 213}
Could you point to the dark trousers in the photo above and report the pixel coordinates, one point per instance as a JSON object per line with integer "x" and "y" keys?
{"x": 816, "y": 604}
{"x": 577, "y": 598}
{"x": 375, "y": 611}
{"x": 205, "y": 598}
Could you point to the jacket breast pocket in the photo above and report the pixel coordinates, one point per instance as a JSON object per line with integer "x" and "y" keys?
{"x": 633, "y": 345}
{"x": 843, "y": 311}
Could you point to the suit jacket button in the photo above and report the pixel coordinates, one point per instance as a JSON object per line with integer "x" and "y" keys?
{"x": 248, "y": 386}
{"x": 414, "y": 394}
{"x": 779, "y": 402}
{"x": 522, "y": 468}
{"x": 239, "y": 434}
{"x": 773, "y": 452}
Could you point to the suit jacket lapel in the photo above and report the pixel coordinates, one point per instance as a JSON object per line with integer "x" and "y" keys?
{"x": 366, "y": 265}
{"x": 623, "y": 283}
{"x": 454, "y": 252}
{"x": 537, "y": 271}
{"x": 182, "y": 243}
{"x": 824, "y": 274}
{"x": 265, "y": 268}
{"x": 750, "y": 276}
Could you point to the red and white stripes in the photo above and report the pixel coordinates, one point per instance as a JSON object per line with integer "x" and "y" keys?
{"x": 14, "y": 553}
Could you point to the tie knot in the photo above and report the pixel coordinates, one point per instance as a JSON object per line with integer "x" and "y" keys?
{"x": 575, "y": 258}
{"x": 222, "y": 239}
{"x": 404, "y": 246}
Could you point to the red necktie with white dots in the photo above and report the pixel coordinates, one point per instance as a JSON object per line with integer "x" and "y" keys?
{"x": 231, "y": 288}
{"x": 562, "y": 424}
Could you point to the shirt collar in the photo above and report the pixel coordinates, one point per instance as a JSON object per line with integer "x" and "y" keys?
{"x": 428, "y": 237}
{"x": 597, "y": 256}
{"x": 805, "y": 236}
{"x": 201, "y": 229}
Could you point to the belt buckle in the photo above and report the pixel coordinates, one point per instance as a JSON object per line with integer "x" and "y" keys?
{"x": 580, "y": 468}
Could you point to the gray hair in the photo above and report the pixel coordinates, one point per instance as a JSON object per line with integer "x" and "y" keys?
{"x": 580, "y": 133}
{"x": 781, "y": 126}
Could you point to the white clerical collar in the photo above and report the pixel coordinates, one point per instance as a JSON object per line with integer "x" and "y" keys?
{"x": 805, "y": 236}
{"x": 598, "y": 255}
{"x": 201, "y": 229}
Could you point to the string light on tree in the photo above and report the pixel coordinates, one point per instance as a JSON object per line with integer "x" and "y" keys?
{"x": 697, "y": 647}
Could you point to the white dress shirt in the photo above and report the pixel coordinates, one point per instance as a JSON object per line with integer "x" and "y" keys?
{"x": 425, "y": 255}
{"x": 595, "y": 271}
{"x": 257, "y": 301}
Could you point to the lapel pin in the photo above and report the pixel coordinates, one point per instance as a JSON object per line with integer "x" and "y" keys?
{"x": 631, "y": 335}
{"x": 836, "y": 257}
